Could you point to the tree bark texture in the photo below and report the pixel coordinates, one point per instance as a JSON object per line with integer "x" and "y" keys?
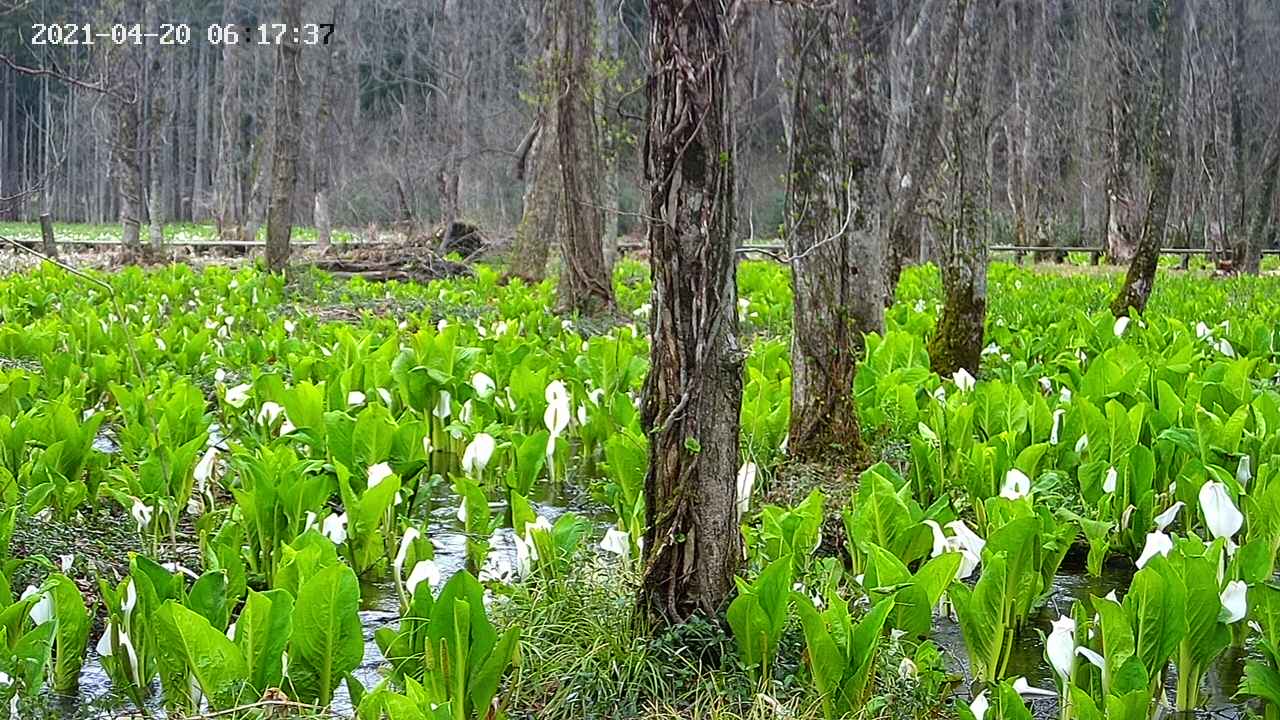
{"x": 1141, "y": 277}
{"x": 837, "y": 263}
{"x": 284, "y": 154}
{"x": 586, "y": 281}
{"x": 957, "y": 340}
{"x": 537, "y": 162}
{"x": 693, "y": 394}
{"x": 227, "y": 186}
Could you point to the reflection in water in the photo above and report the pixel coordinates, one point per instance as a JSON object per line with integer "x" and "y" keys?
{"x": 379, "y": 602}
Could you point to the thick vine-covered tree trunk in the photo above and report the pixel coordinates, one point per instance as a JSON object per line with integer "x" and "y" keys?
{"x": 1163, "y": 144}
{"x": 837, "y": 263}
{"x": 586, "y": 281}
{"x": 284, "y": 154}
{"x": 693, "y": 394}
{"x": 957, "y": 340}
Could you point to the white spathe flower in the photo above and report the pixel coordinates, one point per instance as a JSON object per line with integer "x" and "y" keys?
{"x": 402, "y": 553}
{"x": 385, "y": 394}
{"x": 556, "y": 416}
{"x": 444, "y": 406}
{"x": 309, "y": 521}
{"x": 483, "y": 384}
{"x": 1166, "y": 518}
{"x": 1202, "y": 330}
{"x": 524, "y": 556}
{"x": 237, "y": 396}
{"x": 1109, "y": 483}
{"x": 1057, "y": 425}
{"x": 746, "y": 483}
{"x": 42, "y": 611}
{"x": 1046, "y": 385}
{"x": 1082, "y": 443}
{"x": 1235, "y": 603}
{"x": 425, "y": 570}
{"x": 269, "y": 411}
{"x": 616, "y": 542}
{"x": 1224, "y": 347}
{"x": 1157, "y": 544}
{"x": 65, "y": 562}
{"x": 219, "y": 375}
{"x": 582, "y": 414}
{"x": 1016, "y": 485}
{"x": 1092, "y": 656}
{"x": 1064, "y": 395}
{"x": 556, "y": 391}
{"x": 477, "y": 454}
{"x": 378, "y": 473}
{"x": 335, "y": 528}
{"x": 204, "y": 468}
{"x": 462, "y": 511}
{"x": 963, "y": 380}
{"x": 907, "y": 669}
{"x": 105, "y": 647}
{"x": 1060, "y": 646}
{"x": 964, "y": 541}
{"x": 130, "y": 598}
{"x": 1122, "y": 323}
{"x": 355, "y": 397}
{"x": 1025, "y": 689}
{"x": 177, "y": 567}
{"x": 160, "y": 345}
{"x": 142, "y": 513}
{"x": 1244, "y": 471}
{"x": 980, "y": 705}
{"x": 289, "y": 326}
{"x": 1220, "y": 513}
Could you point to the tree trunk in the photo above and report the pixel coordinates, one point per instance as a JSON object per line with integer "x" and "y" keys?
{"x": 1266, "y": 199}
{"x": 1142, "y": 270}
{"x": 541, "y": 219}
{"x": 157, "y": 123}
{"x": 537, "y": 161}
{"x": 229, "y": 177}
{"x": 957, "y": 340}
{"x": 456, "y": 59}
{"x": 918, "y": 158}
{"x": 127, "y": 104}
{"x": 323, "y": 150}
{"x": 199, "y": 203}
{"x": 284, "y": 154}
{"x": 586, "y": 282}
{"x": 693, "y": 394}
{"x": 837, "y": 264}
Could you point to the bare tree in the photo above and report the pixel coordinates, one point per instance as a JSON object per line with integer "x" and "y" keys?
{"x": 693, "y": 394}
{"x": 586, "y": 281}
{"x": 837, "y": 263}
{"x": 284, "y": 156}
{"x": 1160, "y": 167}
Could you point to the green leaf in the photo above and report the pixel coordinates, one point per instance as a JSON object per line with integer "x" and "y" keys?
{"x": 214, "y": 661}
{"x": 326, "y": 642}
{"x": 262, "y": 633}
